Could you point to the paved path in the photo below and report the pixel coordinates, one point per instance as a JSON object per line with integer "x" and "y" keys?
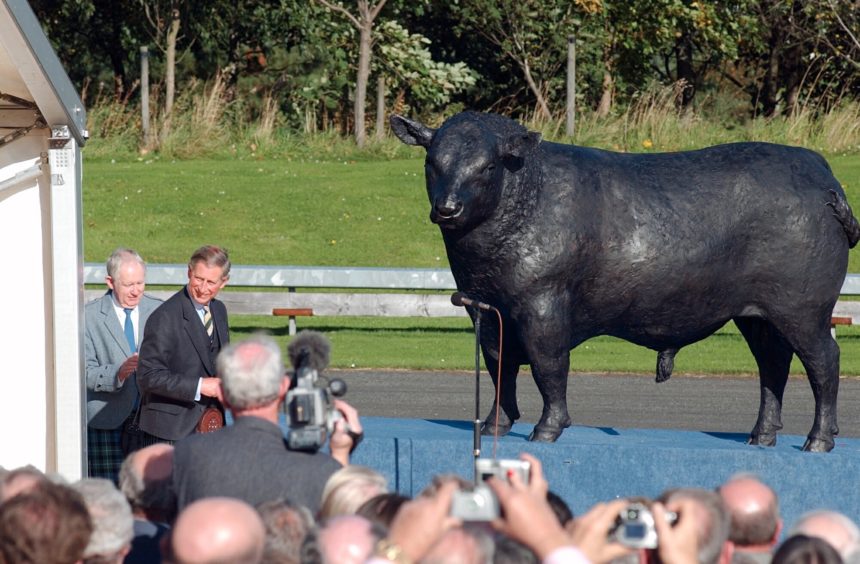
{"x": 703, "y": 403}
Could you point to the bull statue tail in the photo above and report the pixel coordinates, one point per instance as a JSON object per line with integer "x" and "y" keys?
{"x": 842, "y": 212}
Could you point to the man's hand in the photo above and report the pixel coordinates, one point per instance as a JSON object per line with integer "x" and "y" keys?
{"x": 127, "y": 368}
{"x": 422, "y": 521}
{"x": 590, "y": 532}
{"x": 341, "y": 442}
{"x": 678, "y": 544}
{"x": 210, "y": 387}
{"x": 528, "y": 518}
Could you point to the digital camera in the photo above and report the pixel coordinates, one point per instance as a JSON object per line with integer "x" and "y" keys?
{"x": 480, "y": 503}
{"x": 634, "y": 526}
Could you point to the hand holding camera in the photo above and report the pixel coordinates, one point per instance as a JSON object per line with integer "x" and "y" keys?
{"x": 635, "y": 526}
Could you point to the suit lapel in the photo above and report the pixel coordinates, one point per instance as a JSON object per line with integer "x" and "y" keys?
{"x": 196, "y": 332}
{"x": 111, "y": 323}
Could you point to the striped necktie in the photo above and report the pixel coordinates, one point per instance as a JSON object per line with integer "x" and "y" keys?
{"x": 129, "y": 330}
{"x": 207, "y": 322}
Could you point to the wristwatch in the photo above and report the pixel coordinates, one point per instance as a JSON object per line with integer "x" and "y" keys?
{"x": 391, "y": 552}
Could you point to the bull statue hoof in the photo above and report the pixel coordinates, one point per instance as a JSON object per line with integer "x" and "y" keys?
{"x": 762, "y": 440}
{"x": 490, "y": 428}
{"x": 545, "y": 434}
{"x": 818, "y": 445}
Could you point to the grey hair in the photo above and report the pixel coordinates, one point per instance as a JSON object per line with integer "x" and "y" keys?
{"x": 119, "y": 256}
{"x": 111, "y": 516}
{"x": 851, "y": 553}
{"x": 157, "y": 494}
{"x": 711, "y": 539}
{"x": 251, "y": 372}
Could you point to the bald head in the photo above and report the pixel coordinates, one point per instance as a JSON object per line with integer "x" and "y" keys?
{"x": 754, "y": 512}
{"x": 145, "y": 481}
{"x": 218, "y": 529}
{"x": 347, "y": 540}
{"x": 831, "y": 526}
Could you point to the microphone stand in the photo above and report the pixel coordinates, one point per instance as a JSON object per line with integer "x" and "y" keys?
{"x": 476, "y": 441}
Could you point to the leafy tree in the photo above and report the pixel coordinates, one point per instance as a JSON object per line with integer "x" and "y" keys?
{"x": 363, "y": 22}
{"x": 532, "y": 35}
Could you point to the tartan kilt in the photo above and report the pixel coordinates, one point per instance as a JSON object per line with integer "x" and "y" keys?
{"x": 104, "y": 453}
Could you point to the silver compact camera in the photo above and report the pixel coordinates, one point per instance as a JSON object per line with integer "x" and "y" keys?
{"x": 480, "y": 503}
{"x": 487, "y": 467}
{"x": 634, "y": 526}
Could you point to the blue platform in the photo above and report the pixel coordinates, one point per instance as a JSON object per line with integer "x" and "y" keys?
{"x": 588, "y": 464}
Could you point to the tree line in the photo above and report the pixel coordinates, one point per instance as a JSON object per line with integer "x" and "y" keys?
{"x": 315, "y": 60}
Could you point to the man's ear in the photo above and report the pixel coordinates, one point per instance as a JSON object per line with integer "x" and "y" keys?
{"x": 109, "y": 282}
{"x": 777, "y": 532}
{"x": 285, "y": 387}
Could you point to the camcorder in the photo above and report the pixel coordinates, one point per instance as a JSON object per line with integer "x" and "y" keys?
{"x": 480, "y": 503}
{"x": 309, "y": 410}
{"x": 634, "y": 526}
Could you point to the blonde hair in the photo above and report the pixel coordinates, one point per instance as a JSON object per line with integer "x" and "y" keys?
{"x": 348, "y": 488}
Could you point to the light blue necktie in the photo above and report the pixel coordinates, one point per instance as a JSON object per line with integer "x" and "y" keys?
{"x": 129, "y": 330}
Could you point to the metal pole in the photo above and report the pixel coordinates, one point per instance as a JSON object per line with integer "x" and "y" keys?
{"x": 571, "y": 86}
{"x": 144, "y": 93}
{"x": 477, "y": 422}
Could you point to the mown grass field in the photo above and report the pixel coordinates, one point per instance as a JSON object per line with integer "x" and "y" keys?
{"x": 346, "y": 213}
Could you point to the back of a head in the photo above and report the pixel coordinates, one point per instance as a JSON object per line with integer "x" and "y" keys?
{"x": 801, "y": 549}
{"x": 345, "y": 539}
{"x": 348, "y": 488}
{"x": 382, "y": 508}
{"x": 713, "y": 520}
{"x": 111, "y": 516}
{"x": 49, "y": 524}
{"x": 217, "y": 530}
{"x": 462, "y": 545}
{"x": 835, "y": 528}
{"x": 145, "y": 479}
{"x": 754, "y": 511}
{"x": 20, "y": 480}
{"x": 251, "y": 372}
{"x": 286, "y": 527}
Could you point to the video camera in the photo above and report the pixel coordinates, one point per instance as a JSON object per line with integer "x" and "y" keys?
{"x": 308, "y": 406}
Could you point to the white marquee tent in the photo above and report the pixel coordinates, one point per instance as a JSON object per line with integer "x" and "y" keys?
{"x": 42, "y": 129}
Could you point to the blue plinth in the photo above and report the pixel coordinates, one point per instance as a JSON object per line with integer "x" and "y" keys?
{"x": 588, "y": 464}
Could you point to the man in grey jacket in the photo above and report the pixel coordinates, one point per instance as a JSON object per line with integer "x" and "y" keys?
{"x": 114, "y": 327}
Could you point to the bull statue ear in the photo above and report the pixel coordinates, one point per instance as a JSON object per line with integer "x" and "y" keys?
{"x": 519, "y": 145}
{"x": 411, "y": 132}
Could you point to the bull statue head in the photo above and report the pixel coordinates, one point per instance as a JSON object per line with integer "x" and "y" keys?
{"x": 470, "y": 158}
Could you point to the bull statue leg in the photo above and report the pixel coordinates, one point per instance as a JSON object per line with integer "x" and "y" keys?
{"x": 550, "y": 374}
{"x": 510, "y": 411}
{"x": 819, "y": 354}
{"x": 773, "y": 355}
{"x": 820, "y": 357}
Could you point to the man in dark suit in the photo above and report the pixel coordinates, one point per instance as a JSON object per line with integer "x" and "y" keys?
{"x": 176, "y": 372}
{"x": 249, "y": 460}
{"x": 114, "y": 326}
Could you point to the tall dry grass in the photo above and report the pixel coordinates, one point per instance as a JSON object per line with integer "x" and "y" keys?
{"x": 205, "y": 124}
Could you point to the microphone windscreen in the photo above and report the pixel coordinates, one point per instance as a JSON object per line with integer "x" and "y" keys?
{"x": 311, "y": 349}
{"x": 457, "y": 299}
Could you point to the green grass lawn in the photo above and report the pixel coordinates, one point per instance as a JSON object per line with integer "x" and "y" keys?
{"x": 449, "y": 344}
{"x": 345, "y": 213}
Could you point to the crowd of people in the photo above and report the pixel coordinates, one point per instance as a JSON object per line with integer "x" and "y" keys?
{"x": 176, "y": 485}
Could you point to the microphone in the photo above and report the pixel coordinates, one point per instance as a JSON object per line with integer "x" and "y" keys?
{"x": 460, "y": 299}
{"x": 309, "y": 351}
